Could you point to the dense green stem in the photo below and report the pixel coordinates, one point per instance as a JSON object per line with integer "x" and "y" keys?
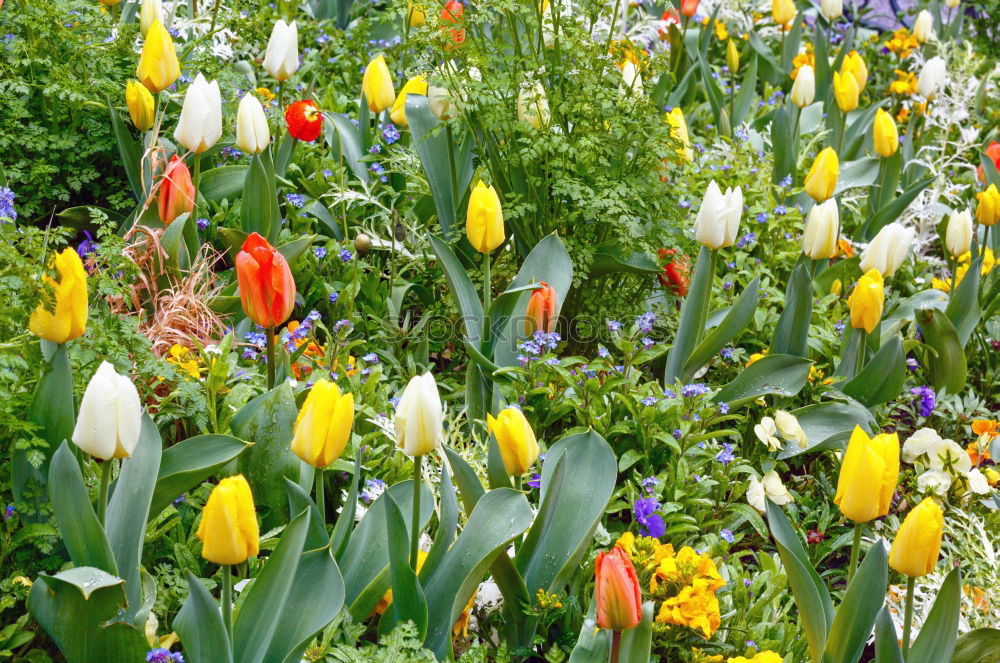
{"x": 908, "y": 618}
{"x": 415, "y": 522}
{"x": 855, "y": 552}
{"x": 227, "y": 599}
{"x": 102, "y": 498}
{"x": 320, "y": 496}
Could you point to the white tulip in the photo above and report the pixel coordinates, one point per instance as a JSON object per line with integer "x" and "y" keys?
{"x": 533, "y": 105}
{"x": 948, "y": 455}
{"x": 888, "y": 250}
{"x": 919, "y": 443}
{"x": 281, "y": 59}
{"x": 631, "y": 79}
{"x": 978, "y": 483}
{"x": 771, "y": 488}
{"x": 718, "y": 218}
{"x": 831, "y": 9}
{"x": 958, "y": 235}
{"x": 110, "y": 416}
{"x": 790, "y": 429}
{"x": 419, "y": 416}
{"x": 252, "y": 132}
{"x": 934, "y": 481}
{"x": 932, "y": 77}
{"x": 819, "y": 240}
{"x": 923, "y": 27}
{"x": 440, "y": 100}
{"x": 767, "y": 431}
{"x": 200, "y": 124}
{"x": 804, "y": 87}
{"x": 152, "y": 10}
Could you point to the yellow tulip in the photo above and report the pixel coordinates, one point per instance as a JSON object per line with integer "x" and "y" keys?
{"x": 845, "y": 89}
{"x": 228, "y": 529}
{"x": 868, "y": 476}
{"x": 866, "y": 301}
{"x": 783, "y": 11}
{"x": 915, "y": 550}
{"x": 732, "y": 57}
{"x": 141, "y": 107}
{"x": 821, "y": 181}
{"x": 516, "y": 440}
{"x": 377, "y": 85}
{"x": 679, "y": 130}
{"x": 416, "y": 85}
{"x": 69, "y": 319}
{"x": 856, "y": 67}
{"x": 988, "y": 209}
{"x": 885, "y": 133}
{"x": 415, "y": 15}
{"x": 158, "y": 66}
{"x": 323, "y": 427}
{"x": 484, "y": 221}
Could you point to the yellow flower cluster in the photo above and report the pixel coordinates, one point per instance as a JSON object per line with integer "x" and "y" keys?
{"x": 720, "y": 28}
{"x": 185, "y": 360}
{"x": 761, "y": 657}
{"x": 905, "y": 84}
{"x": 696, "y": 607}
{"x": 964, "y": 261}
{"x": 806, "y": 58}
{"x": 902, "y": 43}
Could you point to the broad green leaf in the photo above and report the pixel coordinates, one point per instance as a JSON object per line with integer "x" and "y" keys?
{"x": 791, "y": 336}
{"x": 593, "y": 645}
{"x": 465, "y": 477}
{"x": 345, "y": 521}
{"x": 259, "y": 202}
{"x": 746, "y": 95}
{"x": 784, "y": 148}
{"x": 200, "y": 627}
{"x": 881, "y": 380}
{"x": 846, "y": 271}
{"x": 341, "y": 133}
{"x": 447, "y": 524}
{"x": 190, "y": 462}
{"x": 936, "y": 641}
{"x": 963, "y": 307}
{"x": 944, "y": 358}
{"x": 779, "y": 375}
{"x": 694, "y": 313}
{"x": 981, "y": 645}
{"x": 637, "y": 642}
{"x": 130, "y": 152}
{"x": 893, "y": 209}
{"x": 465, "y": 294}
{"x": 408, "y": 602}
{"x": 857, "y": 129}
{"x": 298, "y": 501}
{"x": 223, "y": 183}
{"x": 855, "y": 174}
{"x": 861, "y": 604}
{"x": 611, "y": 258}
{"x": 738, "y": 316}
{"x": 322, "y": 213}
{"x": 886, "y": 639}
{"x": 79, "y": 528}
{"x": 989, "y": 169}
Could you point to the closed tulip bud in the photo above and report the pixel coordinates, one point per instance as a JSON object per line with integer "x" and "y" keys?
{"x": 267, "y": 289}
{"x": 868, "y": 476}
{"x": 914, "y": 551}
{"x": 200, "y": 124}
{"x": 885, "y": 134}
{"x": 484, "y": 220}
{"x": 819, "y": 240}
{"x": 152, "y": 11}
{"x": 689, "y": 7}
{"x": 619, "y": 600}
{"x": 281, "y": 58}
{"x": 158, "y": 66}
{"x": 377, "y": 85}
{"x": 988, "y": 209}
{"x": 415, "y": 15}
{"x": 845, "y": 89}
{"x": 69, "y": 319}
{"x": 932, "y": 77}
{"x": 866, "y": 301}
{"x": 176, "y": 193}
{"x": 732, "y": 57}
{"x": 252, "y": 132}
{"x": 323, "y": 427}
{"x": 837, "y": 287}
{"x": 718, "y": 220}
{"x": 958, "y": 235}
{"x": 783, "y": 11}
{"x": 541, "y": 312}
{"x": 110, "y": 415}
{"x": 516, "y": 440}
{"x": 679, "y": 131}
{"x": 888, "y": 250}
{"x": 923, "y": 26}
{"x": 416, "y": 85}
{"x": 228, "y": 531}
{"x": 533, "y": 105}
{"x": 831, "y": 9}
{"x": 821, "y": 181}
{"x": 141, "y": 107}
{"x": 804, "y": 87}
{"x": 855, "y": 65}
{"x": 419, "y": 416}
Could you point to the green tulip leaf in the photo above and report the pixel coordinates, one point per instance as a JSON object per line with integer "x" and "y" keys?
{"x": 780, "y": 375}
{"x": 223, "y": 183}
{"x": 737, "y": 317}
{"x": 829, "y": 425}
{"x": 945, "y": 359}
{"x": 344, "y": 138}
{"x": 857, "y": 130}
{"x": 130, "y": 152}
{"x": 857, "y": 174}
{"x": 746, "y": 95}
{"x": 892, "y": 210}
{"x": 408, "y": 602}
{"x": 857, "y": 612}
{"x": 881, "y": 380}
{"x": 963, "y": 307}
{"x": 345, "y": 521}
{"x": 593, "y": 645}
{"x": 259, "y": 206}
{"x": 939, "y": 633}
{"x": 637, "y": 642}
{"x": 791, "y": 336}
{"x": 466, "y": 297}
{"x": 981, "y": 645}
{"x": 190, "y": 462}
{"x": 447, "y": 525}
{"x": 611, "y": 258}
{"x": 694, "y": 314}
{"x": 886, "y": 639}
{"x": 200, "y": 627}
{"x": 298, "y": 501}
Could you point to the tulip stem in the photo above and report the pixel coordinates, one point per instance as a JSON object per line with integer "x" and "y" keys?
{"x": 855, "y": 552}
{"x": 269, "y": 332}
{"x": 102, "y": 498}
{"x": 487, "y": 290}
{"x": 197, "y": 186}
{"x": 320, "y": 496}
{"x": 908, "y": 619}
{"x": 227, "y": 599}
{"x": 415, "y": 522}
{"x": 616, "y": 645}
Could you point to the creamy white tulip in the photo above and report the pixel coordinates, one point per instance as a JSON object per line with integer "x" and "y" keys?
{"x": 831, "y": 9}
{"x": 932, "y": 77}
{"x": 533, "y": 105}
{"x": 419, "y": 416}
{"x": 919, "y": 443}
{"x": 631, "y": 79}
{"x": 958, "y": 235}
{"x": 718, "y": 219}
{"x": 252, "y": 132}
{"x": 767, "y": 431}
{"x": 281, "y": 59}
{"x": 790, "y": 429}
{"x": 200, "y": 124}
{"x": 441, "y": 101}
{"x": 804, "y": 87}
{"x": 110, "y": 416}
{"x": 152, "y": 10}
{"x": 819, "y": 240}
{"x": 888, "y": 250}
{"x": 923, "y": 27}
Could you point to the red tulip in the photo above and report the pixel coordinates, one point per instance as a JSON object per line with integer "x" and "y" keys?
{"x": 305, "y": 120}
{"x": 176, "y": 194}
{"x": 454, "y": 12}
{"x": 267, "y": 289}
{"x": 671, "y": 17}
{"x": 619, "y": 603}
{"x": 993, "y": 152}
{"x": 676, "y": 276}
{"x": 689, "y": 7}
{"x": 541, "y": 313}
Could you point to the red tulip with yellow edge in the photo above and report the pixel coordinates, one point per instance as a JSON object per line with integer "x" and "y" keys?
{"x": 617, "y": 594}
{"x": 176, "y": 193}
{"x": 541, "y": 313}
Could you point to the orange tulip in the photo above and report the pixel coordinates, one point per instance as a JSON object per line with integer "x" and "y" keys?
{"x": 619, "y": 603}
{"x": 689, "y": 7}
{"x": 454, "y": 12}
{"x": 541, "y": 313}
{"x": 267, "y": 289}
{"x": 176, "y": 195}
{"x": 993, "y": 152}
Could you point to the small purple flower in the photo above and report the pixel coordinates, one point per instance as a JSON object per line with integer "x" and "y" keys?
{"x": 649, "y": 400}
{"x": 727, "y": 536}
{"x": 346, "y": 255}
{"x": 911, "y": 363}
{"x": 370, "y": 358}
{"x": 602, "y": 352}
{"x": 677, "y": 433}
{"x": 295, "y": 199}
{"x": 785, "y": 182}
{"x": 726, "y": 456}
{"x": 645, "y": 322}
{"x": 334, "y": 296}
{"x": 161, "y": 655}
{"x": 319, "y": 252}
{"x": 180, "y": 499}
{"x": 926, "y": 400}
{"x": 692, "y": 390}
{"x": 724, "y": 408}
{"x": 647, "y": 342}
{"x": 535, "y": 481}
{"x": 839, "y": 327}
{"x": 375, "y": 149}
{"x": 669, "y": 393}
{"x": 727, "y": 353}
{"x": 373, "y": 488}
{"x": 649, "y": 484}
{"x": 84, "y": 248}
{"x": 650, "y": 522}
{"x": 8, "y": 513}
{"x": 614, "y": 325}
{"x": 390, "y": 133}
{"x": 746, "y": 582}
{"x": 780, "y": 210}
{"x": 761, "y": 218}
{"x": 203, "y": 223}
{"x": 327, "y": 173}
{"x": 684, "y": 203}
